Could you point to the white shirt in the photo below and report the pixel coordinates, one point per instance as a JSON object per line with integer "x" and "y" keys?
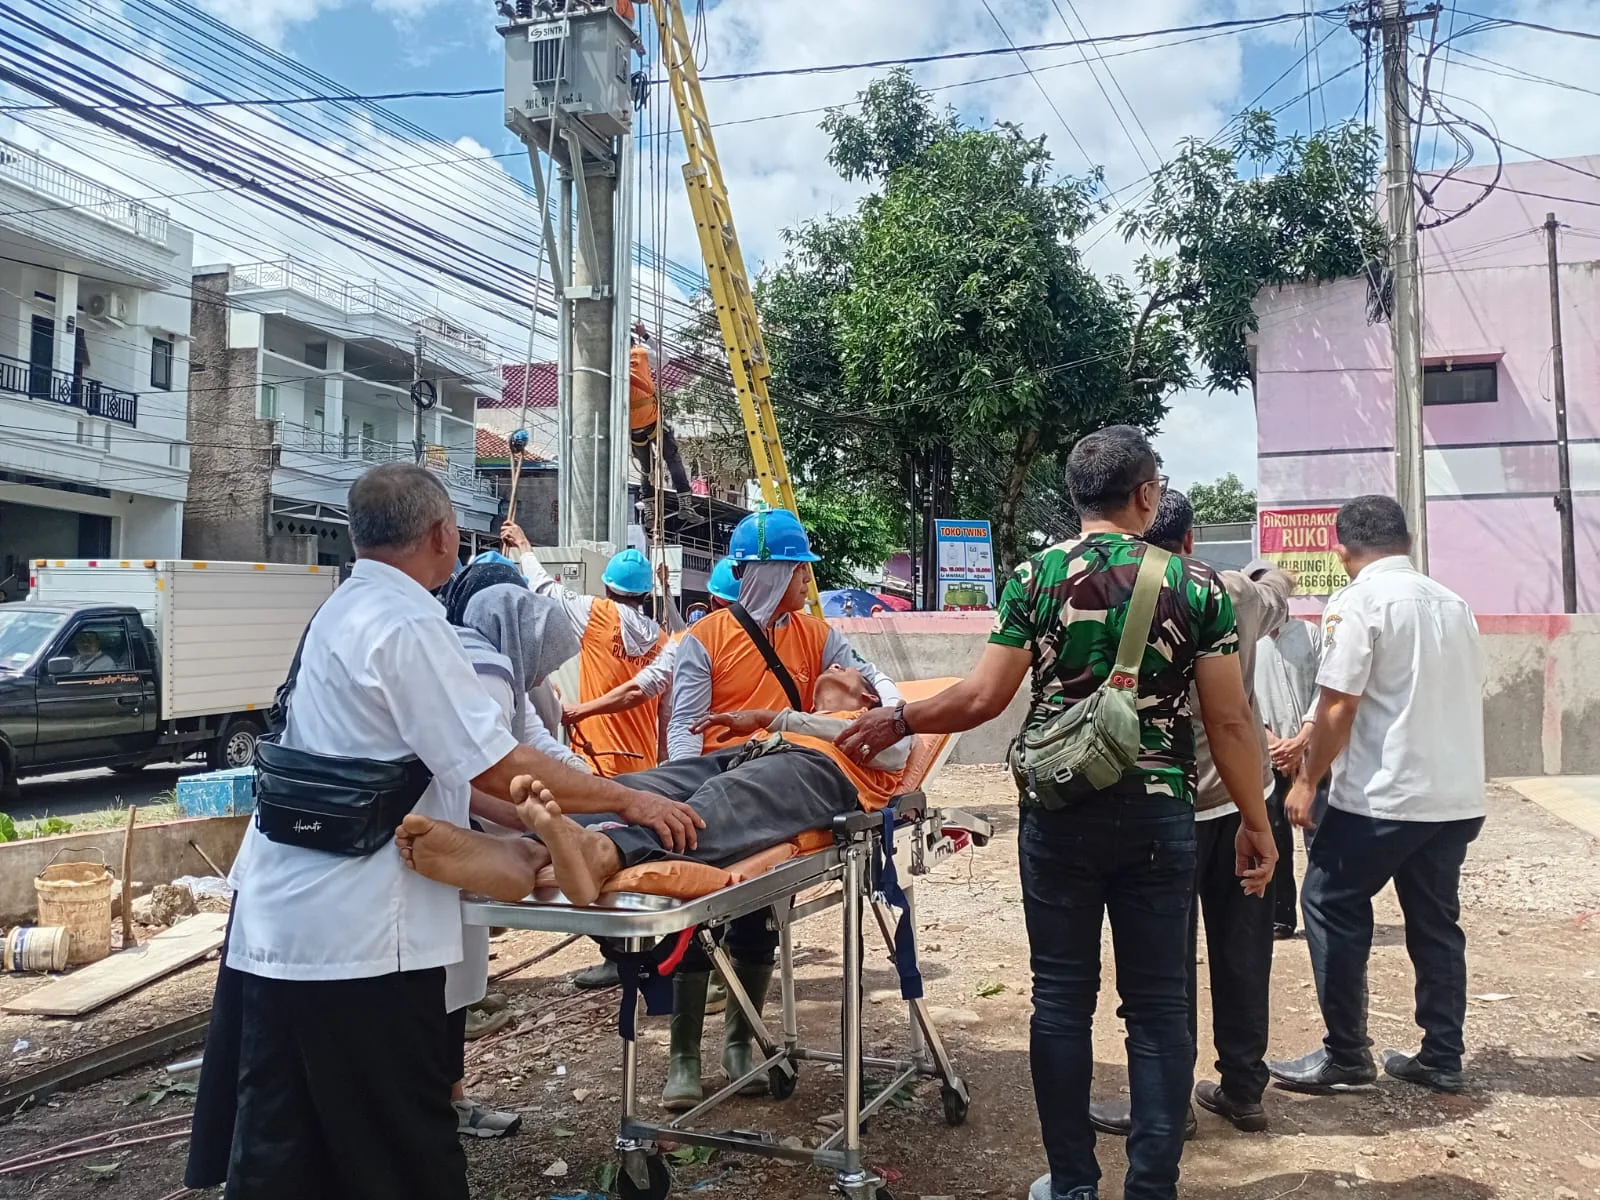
{"x": 383, "y": 676}
{"x": 1408, "y": 646}
{"x": 639, "y": 632}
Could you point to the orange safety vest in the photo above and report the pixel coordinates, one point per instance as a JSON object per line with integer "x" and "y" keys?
{"x": 625, "y": 10}
{"x": 604, "y": 663}
{"x": 642, "y": 411}
{"x": 739, "y": 675}
{"x": 873, "y": 784}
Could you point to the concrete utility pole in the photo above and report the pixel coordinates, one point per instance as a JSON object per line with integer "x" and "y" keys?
{"x": 593, "y": 332}
{"x": 1405, "y": 320}
{"x": 1558, "y": 367}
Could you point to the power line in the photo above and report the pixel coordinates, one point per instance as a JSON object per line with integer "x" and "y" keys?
{"x": 988, "y": 8}
{"x": 1504, "y": 22}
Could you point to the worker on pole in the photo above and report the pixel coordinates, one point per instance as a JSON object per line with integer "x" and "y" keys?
{"x": 644, "y": 415}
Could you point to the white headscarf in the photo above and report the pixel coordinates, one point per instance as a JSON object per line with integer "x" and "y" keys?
{"x": 529, "y": 629}
{"x": 761, "y": 589}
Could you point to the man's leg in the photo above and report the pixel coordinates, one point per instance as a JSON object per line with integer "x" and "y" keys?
{"x": 278, "y": 1148}
{"x": 1350, "y": 860}
{"x": 1149, "y": 896}
{"x": 640, "y": 442}
{"x": 1239, "y": 951}
{"x": 1063, "y": 857}
{"x": 1285, "y": 898}
{"x": 377, "y": 1059}
{"x": 1428, "y": 885}
{"x": 674, "y": 461}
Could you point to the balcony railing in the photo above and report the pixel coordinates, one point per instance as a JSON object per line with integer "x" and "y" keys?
{"x": 357, "y": 296}
{"x": 356, "y": 448}
{"x": 23, "y": 378}
{"x": 39, "y": 174}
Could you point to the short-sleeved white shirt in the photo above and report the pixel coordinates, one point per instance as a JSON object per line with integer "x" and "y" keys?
{"x": 1408, "y": 646}
{"x": 383, "y": 676}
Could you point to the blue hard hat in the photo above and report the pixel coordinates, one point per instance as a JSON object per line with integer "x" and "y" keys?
{"x": 772, "y": 536}
{"x": 724, "y": 584}
{"x": 628, "y": 573}
{"x": 491, "y": 556}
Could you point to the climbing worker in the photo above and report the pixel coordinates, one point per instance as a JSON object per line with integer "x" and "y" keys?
{"x": 644, "y": 414}
{"x": 619, "y": 643}
{"x": 758, "y": 650}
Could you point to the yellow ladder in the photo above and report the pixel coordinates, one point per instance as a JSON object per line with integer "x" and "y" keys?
{"x": 719, "y": 246}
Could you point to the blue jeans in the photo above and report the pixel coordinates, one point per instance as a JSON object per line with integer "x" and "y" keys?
{"x": 1133, "y": 856}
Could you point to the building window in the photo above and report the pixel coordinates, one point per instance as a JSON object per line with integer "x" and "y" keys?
{"x": 161, "y": 364}
{"x": 175, "y": 454}
{"x": 1464, "y": 383}
{"x": 268, "y": 409}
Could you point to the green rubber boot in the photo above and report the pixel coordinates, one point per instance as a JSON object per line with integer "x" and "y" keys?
{"x": 738, "y": 1039}
{"x": 688, "y": 1027}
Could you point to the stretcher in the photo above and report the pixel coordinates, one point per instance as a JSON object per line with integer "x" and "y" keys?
{"x": 859, "y": 869}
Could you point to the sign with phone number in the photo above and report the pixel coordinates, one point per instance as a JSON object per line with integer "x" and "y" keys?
{"x": 1301, "y": 541}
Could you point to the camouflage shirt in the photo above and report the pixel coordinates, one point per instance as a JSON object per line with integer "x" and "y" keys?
{"x": 1067, "y": 605}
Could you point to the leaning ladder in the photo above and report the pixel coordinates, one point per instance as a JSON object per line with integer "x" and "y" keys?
{"x": 719, "y": 245}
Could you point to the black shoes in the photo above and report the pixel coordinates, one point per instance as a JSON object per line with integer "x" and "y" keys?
{"x": 1407, "y": 1069}
{"x": 1247, "y": 1118}
{"x": 1116, "y": 1118}
{"x": 1318, "y": 1075}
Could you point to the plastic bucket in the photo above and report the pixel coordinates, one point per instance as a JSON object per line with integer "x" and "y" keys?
{"x": 77, "y": 897}
{"x": 35, "y": 948}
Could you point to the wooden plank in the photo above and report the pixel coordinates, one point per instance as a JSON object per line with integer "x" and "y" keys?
{"x": 100, "y": 983}
{"x": 160, "y": 1042}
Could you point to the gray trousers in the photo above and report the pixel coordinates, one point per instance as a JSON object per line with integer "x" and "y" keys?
{"x": 748, "y": 804}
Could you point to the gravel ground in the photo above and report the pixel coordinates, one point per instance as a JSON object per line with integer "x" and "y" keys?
{"x": 1529, "y": 1129}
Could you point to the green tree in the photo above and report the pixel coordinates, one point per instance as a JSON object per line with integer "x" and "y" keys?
{"x": 1227, "y": 499}
{"x": 851, "y": 531}
{"x": 1225, "y": 222}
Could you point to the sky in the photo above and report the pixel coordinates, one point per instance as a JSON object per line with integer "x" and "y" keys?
{"x": 1122, "y": 114}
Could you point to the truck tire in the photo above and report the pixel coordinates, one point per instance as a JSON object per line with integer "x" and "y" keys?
{"x": 236, "y": 743}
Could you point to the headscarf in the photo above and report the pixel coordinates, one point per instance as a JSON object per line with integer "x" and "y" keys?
{"x": 761, "y": 589}
{"x": 472, "y": 579}
{"x": 531, "y": 630}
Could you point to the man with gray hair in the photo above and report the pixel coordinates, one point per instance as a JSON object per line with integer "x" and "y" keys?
{"x": 338, "y": 952}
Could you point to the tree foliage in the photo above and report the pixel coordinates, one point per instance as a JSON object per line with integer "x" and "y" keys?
{"x": 851, "y": 531}
{"x": 1226, "y": 222}
{"x": 1226, "y": 499}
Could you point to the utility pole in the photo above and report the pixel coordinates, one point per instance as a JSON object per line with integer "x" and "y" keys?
{"x": 416, "y": 396}
{"x": 1405, "y": 320}
{"x": 1569, "y": 554}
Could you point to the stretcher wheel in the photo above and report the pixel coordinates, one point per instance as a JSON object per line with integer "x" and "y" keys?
{"x": 955, "y": 1106}
{"x": 782, "y": 1083}
{"x": 658, "y": 1187}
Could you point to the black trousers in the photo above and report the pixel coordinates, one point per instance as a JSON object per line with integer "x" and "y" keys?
{"x": 1239, "y": 958}
{"x": 1351, "y": 858}
{"x": 643, "y": 442}
{"x": 1285, "y": 896}
{"x": 344, "y": 1091}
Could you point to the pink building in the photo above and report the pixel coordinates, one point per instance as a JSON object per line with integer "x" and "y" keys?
{"x": 1325, "y": 395}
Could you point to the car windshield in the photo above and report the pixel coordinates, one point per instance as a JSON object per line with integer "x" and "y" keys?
{"x": 23, "y": 633}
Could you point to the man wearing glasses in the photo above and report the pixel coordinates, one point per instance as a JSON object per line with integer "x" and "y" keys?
{"x": 1129, "y": 849}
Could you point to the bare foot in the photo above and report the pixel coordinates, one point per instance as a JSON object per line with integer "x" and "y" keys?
{"x": 499, "y": 867}
{"x": 583, "y": 860}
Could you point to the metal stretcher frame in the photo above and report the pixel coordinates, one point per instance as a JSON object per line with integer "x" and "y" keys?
{"x": 922, "y": 837}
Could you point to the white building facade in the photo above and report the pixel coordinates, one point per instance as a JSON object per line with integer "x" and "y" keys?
{"x": 313, "y": 375}
{"x": 94, "y": 350}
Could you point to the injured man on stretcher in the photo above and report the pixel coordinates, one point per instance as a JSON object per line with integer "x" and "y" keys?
{"x": 787, "y": 780}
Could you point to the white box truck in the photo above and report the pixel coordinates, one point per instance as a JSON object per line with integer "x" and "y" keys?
{"x": 124, "y": 663}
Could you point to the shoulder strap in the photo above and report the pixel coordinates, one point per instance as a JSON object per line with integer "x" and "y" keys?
{"x": 1141, "y": 612}
{"x": 278, "y": 717}
{"x": 774, "y": 663}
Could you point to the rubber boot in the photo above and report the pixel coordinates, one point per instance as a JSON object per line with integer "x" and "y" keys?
{"x": 716, "y": 996}
{"x": 738, "y": 1039}
{"x": 688, "y": 1027}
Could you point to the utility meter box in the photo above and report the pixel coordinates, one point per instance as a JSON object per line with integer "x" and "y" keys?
{"x": 577, "y": 567}
{"x": 576, "y": 65}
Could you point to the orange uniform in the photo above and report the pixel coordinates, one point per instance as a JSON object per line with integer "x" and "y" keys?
{"x": 739, "y": 675}
{"x": 633, "y": 738}
{"x": 642, "y": 409}
{"x": 625, "y": 10}
{"x": 874, "y": 784}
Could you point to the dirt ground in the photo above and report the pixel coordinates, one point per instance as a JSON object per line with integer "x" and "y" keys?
{"x": 1529, "y": 1129}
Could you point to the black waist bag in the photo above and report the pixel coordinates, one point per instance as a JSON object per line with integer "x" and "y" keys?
{"x": 348, "y": 806}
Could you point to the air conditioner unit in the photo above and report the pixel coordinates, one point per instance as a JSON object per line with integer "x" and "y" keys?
{"x": 107, "y": 306}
